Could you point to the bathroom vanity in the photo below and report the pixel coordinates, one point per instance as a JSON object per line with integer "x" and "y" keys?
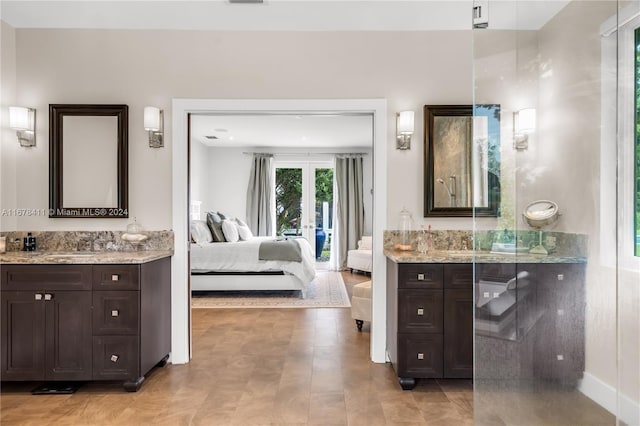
{"x": 529, "y": 316}
{"x": 83, "y": 317}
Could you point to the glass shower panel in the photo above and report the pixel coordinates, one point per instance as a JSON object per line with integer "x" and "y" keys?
{"x": 545, "y": 288}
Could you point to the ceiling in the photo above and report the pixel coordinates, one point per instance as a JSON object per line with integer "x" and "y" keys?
{"x": 284, "y": 130}
{"x": 281, "y": 15}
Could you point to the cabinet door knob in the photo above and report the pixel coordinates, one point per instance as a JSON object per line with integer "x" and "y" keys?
{"x": 114, "y": 358}
{"x": 420, "y": 311}
{"x": 115, "y": 313}
{"x": 420, "y": 277}
{"x": 115, "y": 277}
{"x": 420, "y": 355}
{"x": 48, "y": 296}
{"x": 38, "y": 296}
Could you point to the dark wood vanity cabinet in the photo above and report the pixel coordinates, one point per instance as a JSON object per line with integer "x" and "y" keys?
{"x": 85, "y": 322}
{"x": 430, "y": 320}
{"x": 46, "y": 322}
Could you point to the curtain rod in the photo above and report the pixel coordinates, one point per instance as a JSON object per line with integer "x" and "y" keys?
{"x": 305, "y": 153}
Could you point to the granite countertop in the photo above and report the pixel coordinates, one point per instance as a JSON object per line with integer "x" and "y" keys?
{"x": 81, "y": 257}
{"x": 467, "y": 256}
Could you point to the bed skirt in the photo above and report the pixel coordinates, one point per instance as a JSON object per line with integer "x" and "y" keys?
{"x": 203, "y": 281}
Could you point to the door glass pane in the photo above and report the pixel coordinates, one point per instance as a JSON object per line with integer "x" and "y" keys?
{"x": 323, "y": 212}
{"x": 289, "y": 201}
{"x": 545, "y": 308}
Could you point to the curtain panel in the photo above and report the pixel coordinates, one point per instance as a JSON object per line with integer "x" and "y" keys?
{"x": 260, "y": 195}
{"x": 348, "y": 224}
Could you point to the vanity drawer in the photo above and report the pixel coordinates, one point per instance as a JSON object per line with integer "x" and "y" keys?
{"x": 46, "y": 277}
{"x": 115, "y": 357}
{"x": 115, "y": 312}
{"x": 420, "y": 311}
{"x": 458, "y": 276}
{"x": 419, "y": 275}
{"x": 115, "y": 277}
{"x": 421, "y": 355}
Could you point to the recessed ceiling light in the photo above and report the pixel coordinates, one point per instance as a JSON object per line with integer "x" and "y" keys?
{"x": 246, "y": 1}
{"x": 211, "y": 137}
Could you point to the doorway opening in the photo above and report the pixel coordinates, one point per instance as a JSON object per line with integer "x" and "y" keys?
{"x": 183, "y": 109}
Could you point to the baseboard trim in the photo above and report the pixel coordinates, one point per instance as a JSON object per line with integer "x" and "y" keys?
{"x": 606, "y": 396}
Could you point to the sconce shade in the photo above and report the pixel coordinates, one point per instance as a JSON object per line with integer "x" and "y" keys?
{"x": 151, "y": 118}
{"x": 21, "y": 118}
{"x": 525, "y": 121}
{"x": 23, "y": 121}
{"x": 406, "y": 122}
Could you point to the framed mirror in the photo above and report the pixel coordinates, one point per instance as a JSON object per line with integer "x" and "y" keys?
{"x": 88, "y": 161}
{"x": 462, "y": 160}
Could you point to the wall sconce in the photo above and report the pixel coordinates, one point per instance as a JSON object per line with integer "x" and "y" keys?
{"x": 154, "y": 124}
{"x": 524, "y": 123}
{"x": 23, "y": 120}
{"x": 404, "y": 126}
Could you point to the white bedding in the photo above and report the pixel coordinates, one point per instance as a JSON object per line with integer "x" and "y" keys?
{"x": 242, "y": 256}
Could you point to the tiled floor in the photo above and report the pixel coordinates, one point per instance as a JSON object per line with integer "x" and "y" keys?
{"x": 260, "y": 367}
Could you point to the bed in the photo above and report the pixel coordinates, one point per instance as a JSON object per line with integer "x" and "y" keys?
{"x": 236, "y": 266}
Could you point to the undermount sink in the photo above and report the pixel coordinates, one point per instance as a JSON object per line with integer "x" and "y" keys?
{"x": 466, "y": 254}
{"x": 72, "y": 254}
{"x": 452, "y": 253}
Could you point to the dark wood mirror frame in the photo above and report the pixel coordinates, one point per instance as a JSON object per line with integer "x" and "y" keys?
{"x": 492, "y": 111}
{"x": 57, "y": 112}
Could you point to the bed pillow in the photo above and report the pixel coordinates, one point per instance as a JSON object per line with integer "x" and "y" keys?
{"x": 230, "y": 230}
{"x": 243, "y": 230}
{"x": 200, "y": 232}
{"x": 215, "y": 224}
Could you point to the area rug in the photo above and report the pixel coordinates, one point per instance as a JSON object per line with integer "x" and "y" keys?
{"x": 325, "y": 291}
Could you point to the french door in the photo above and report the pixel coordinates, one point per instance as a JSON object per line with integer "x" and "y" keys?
{"x": 304, "y": 202}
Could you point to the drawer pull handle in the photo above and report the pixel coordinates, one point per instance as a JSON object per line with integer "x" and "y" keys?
{"x": 420, "y": 277}
{"x": 115, "y": 313}
{"x": 48, "y": 296}
{"x": 420, "y": 311}
{"x": 114, "y": 358}
{"x": 420, "y": 355}
{"x": 115, "y": 277}
{"x": 38, "y": 296}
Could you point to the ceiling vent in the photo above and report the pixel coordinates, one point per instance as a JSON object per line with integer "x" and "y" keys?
{"x": 211, "y": 137}
{"x": 246, "y": 1}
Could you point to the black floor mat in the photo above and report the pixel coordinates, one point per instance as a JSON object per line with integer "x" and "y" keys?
{"x": 57, "y": 388}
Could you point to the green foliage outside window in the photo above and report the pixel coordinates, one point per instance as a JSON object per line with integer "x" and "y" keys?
{"x": 288, "y": 200}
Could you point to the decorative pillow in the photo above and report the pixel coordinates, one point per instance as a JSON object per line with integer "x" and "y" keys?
{"x": 243, "y": 230}
{"x": 200, "y": 232}
{"x": 215, "y": 224}
{"x": 230, "y": 230}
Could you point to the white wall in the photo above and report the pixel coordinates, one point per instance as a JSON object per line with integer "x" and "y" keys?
{"x": 200, "y": 182}
{"x": 8, "y": 142}
{"x": 229, "y": 171}
{"x": 141, "y": 68}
